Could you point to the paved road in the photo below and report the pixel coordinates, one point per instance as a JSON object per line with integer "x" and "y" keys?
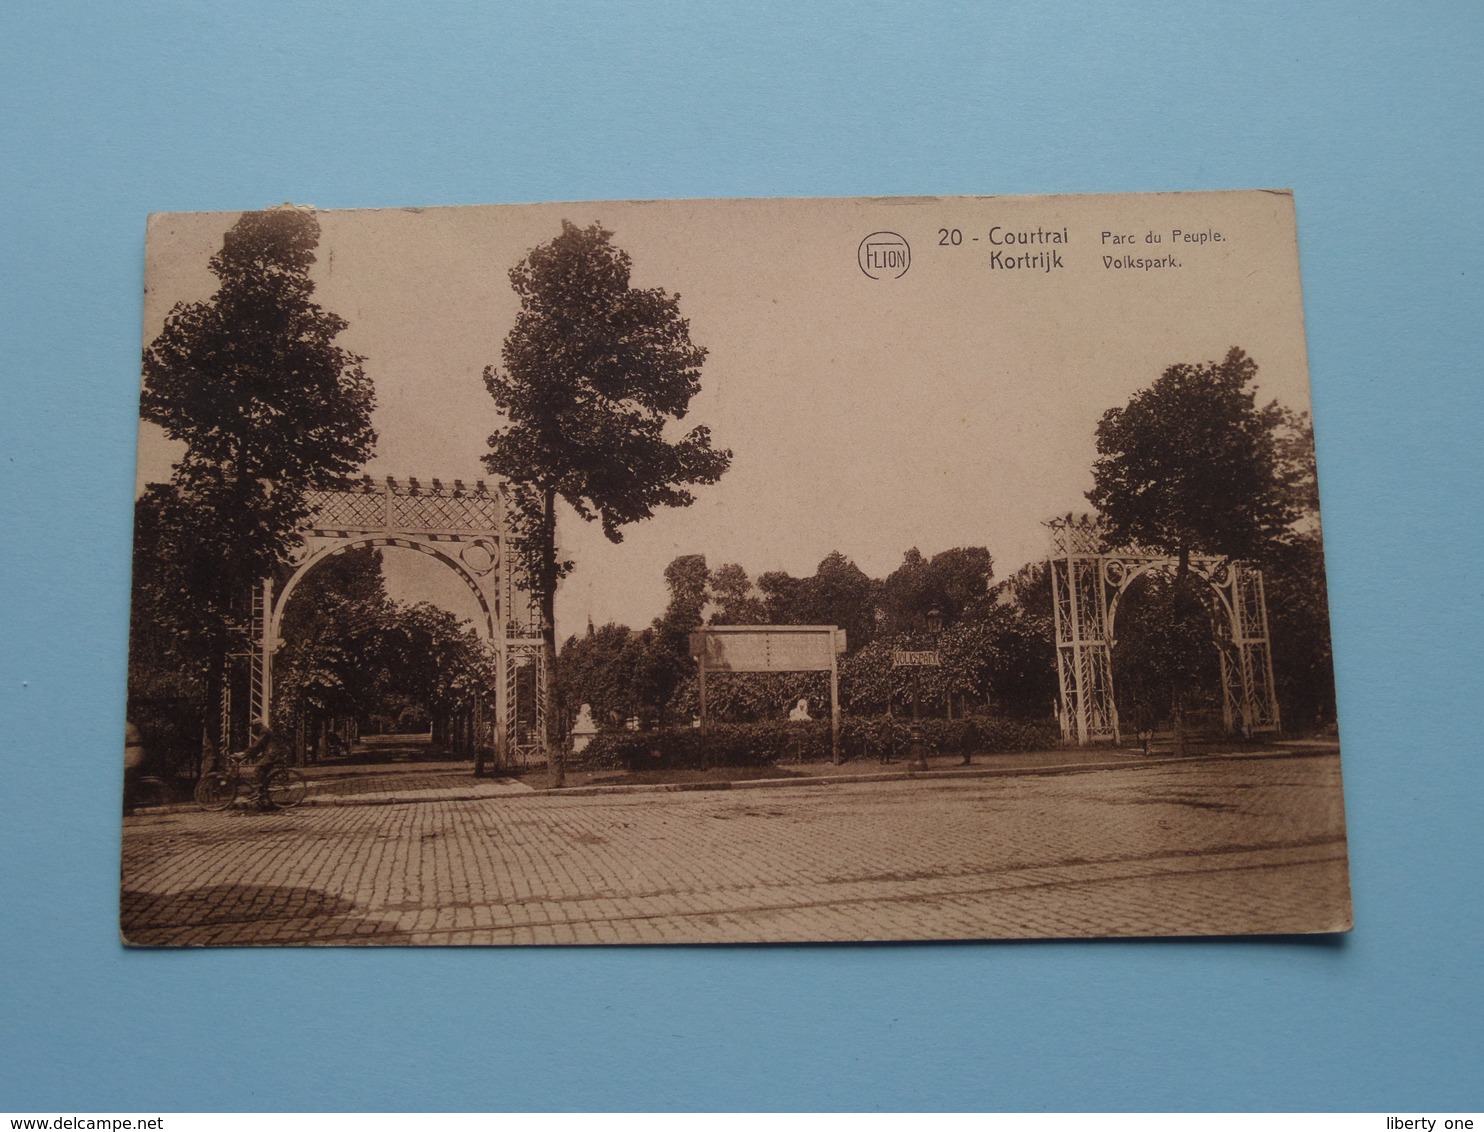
{"x": 1234, "y": 845}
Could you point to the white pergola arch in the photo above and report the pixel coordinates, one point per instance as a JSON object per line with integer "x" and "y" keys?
{"x": 461, "y": 526}
{"x": 1088, "y": 583}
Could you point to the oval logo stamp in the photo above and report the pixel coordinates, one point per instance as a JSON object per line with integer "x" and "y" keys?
{"x": 884, "y": 255}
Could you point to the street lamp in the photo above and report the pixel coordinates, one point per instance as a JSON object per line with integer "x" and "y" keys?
{"x": 918, "y": 740}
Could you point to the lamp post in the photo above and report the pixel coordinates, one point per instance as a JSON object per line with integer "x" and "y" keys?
{"x": 919, "y": 741}
{"x": 916, "y": 741}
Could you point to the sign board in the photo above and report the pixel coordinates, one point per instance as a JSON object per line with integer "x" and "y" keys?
{"x": 773, "y": 648}
{"x": 926, "y": 658}
{"x": 768, "y": 648}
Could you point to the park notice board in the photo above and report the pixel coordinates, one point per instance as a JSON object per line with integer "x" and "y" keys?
{"x": 772, "y": 648}
{"x": 768, "y": 648}
{"x": 1032, "y": 475}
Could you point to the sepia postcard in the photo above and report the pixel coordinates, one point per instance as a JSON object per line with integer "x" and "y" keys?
{"x": 729, "y": 571}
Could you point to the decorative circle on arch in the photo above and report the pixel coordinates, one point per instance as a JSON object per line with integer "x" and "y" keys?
{"x": 1220, "y": 574}
{"x": 480, "y": 556}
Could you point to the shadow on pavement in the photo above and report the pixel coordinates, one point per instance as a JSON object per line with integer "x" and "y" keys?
{"x": 219, "y": 904}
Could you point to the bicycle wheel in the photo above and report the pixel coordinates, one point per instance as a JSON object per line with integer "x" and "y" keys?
{"x": 286, "y": 787}
{"x": 216, "y": 791}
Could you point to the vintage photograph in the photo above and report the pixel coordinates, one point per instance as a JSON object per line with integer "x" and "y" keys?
{"x": 729, "y": 571}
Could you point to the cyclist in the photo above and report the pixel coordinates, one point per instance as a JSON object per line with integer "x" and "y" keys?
{"x": 262, "y": 758}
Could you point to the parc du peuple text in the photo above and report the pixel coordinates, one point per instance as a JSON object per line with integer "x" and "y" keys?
{"x": 1117, "y": 250}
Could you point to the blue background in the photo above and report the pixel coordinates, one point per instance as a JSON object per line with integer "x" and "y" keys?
{"x": 1371, "y": 112}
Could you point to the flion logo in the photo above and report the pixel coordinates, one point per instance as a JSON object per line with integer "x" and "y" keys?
{"x": 884, "y": 255}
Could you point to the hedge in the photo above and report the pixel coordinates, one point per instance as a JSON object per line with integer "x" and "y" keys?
{"x": 762, "y": 744}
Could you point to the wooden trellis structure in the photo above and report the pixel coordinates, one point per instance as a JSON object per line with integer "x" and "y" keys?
{"x": 460, "y": 525}
{"x": 1088, "y": 581}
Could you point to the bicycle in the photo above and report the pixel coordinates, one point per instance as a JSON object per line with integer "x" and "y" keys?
{"x": 218, "y": 789}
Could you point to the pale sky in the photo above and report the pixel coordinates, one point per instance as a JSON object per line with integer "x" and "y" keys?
{"x": 953, "y": 406}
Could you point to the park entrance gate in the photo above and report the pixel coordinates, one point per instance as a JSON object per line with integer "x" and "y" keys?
{"x": 1087, "y": 584}
{"x": 460, "y": 525}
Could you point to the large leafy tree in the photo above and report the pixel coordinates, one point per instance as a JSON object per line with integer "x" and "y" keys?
{"x": 838, "y": 593}
{"x": 1192, "y": 465}
{"x": 594, "y": 373}
{"x": 166, "y": 696}
{"x": 735, "y": 597}
{"x": 1293, "y": 575}
{"x": 268, "y": 407}
{"x": 667, "y": 660}
{"x": 953, "y": 582}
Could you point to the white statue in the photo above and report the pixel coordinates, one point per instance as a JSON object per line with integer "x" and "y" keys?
{"x": 584, "y": 729}
{"x": 800, "y": 713}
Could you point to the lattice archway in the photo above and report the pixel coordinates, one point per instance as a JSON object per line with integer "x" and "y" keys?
{"x": 1088, "y": 584}
{"x": 462, "y": 527}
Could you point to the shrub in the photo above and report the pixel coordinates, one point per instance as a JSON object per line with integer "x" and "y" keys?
{"x": 766, "y": 743}
{"x": 722, "y": 744}
{"x": 883, "y": 735}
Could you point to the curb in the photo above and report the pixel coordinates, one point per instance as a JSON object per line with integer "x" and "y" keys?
{"x": 919, "y": 776}
{"x": 847, "y": 779}
{"x": 820, "y": 780}
{"x": 405, "y": 799}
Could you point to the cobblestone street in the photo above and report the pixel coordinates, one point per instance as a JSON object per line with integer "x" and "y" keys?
{"x": 1234, "y": 844}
